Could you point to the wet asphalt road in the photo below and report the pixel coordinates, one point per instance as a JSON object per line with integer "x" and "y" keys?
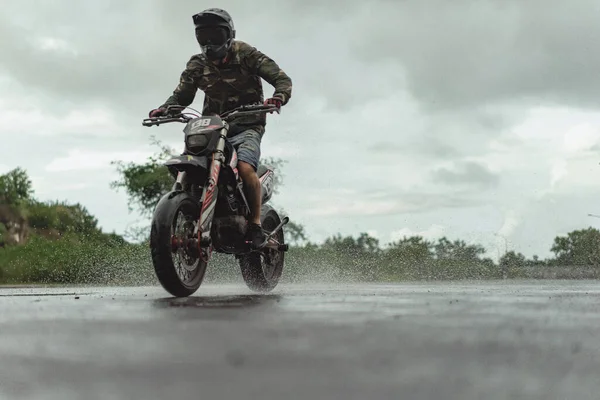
{"x": 482, "y": 340}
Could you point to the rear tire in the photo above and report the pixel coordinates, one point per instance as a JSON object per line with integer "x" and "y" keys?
{"x": 181, "y": 277}
{"x": 261, "y": 270}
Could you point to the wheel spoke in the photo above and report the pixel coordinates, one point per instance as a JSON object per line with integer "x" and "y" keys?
{"x": 186, "y": 264}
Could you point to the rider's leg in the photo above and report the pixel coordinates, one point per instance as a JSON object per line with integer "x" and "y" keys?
{"x": 252, "y": 189}
{"x": 247, "y": 145}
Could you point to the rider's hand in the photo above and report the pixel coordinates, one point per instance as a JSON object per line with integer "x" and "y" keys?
{"x": 157, "y": 112}
{"x": 274, "y": 101}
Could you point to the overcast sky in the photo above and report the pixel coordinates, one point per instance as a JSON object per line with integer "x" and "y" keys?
{"x": 469, "y": 119}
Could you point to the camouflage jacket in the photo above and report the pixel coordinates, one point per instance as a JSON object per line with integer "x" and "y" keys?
{"x": 232, "y": 84}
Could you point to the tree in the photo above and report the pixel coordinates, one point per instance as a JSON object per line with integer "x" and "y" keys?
{"x": 59, "y": 218}
{"x": 145, "y": 183}
{"x": 367, "y": 243}
{"x": 536, "y": 262}
{"x": 15, "y": 193}
{"x": 411, "y": 250}
{"x": 457, "y": 250}
{"x": 349, "y": 245}
{"x": 277, "y": 165}
{"x": 511, "y": 261}
{"x": 457, "y": 259}
{"x": 294, "y": 234}
{"x": 15, "y": 187}
{"x": 412, "y": 256}
{"x": 3, "y": 235}
{"x": 579, "y": 247}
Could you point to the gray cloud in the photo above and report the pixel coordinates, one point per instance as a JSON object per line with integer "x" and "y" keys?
{"x": 448, "y": 135}
{"x": 467, "y": 173}
{"x": 390, "y": 202}
{"x": 431, "y": 149}
{"x": 449, "y": 56}
{"x": 462, "y": 54}
{"x": 89, "y": 64}
{"x": 139, "y": 58}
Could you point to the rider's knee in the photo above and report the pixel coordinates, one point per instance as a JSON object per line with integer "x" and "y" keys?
{"x": 246, "y": 170}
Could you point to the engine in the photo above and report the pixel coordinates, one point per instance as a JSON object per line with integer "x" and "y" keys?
{"x": 229, "y": 233}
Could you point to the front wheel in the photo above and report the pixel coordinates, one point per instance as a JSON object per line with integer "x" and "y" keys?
{"x": 179, "y": 269}
{"x": 261, "y": 270}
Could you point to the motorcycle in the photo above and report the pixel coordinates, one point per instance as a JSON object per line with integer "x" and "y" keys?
{"x": 207, "y": 210}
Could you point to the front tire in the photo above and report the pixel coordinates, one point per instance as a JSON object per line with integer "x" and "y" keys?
{"x": 179, "y": 270}
{"x": 261, "y": 270}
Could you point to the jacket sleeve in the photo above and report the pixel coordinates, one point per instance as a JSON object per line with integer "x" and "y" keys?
{"x": 262, "y": 65}
{"x": 185, "y": 92}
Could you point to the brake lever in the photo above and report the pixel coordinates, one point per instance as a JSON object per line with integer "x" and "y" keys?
{"x": 148, "y": 122}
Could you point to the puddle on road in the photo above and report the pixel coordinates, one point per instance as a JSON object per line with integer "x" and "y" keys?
{"x": 43, "y": 294}
{"x": 232, "y": 301}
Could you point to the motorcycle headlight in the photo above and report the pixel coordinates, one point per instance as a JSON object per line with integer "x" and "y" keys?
{"x": 198, "y": 141}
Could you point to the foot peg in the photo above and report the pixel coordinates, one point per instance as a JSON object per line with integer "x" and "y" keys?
{"x": 272, "y": 244}
{"x": 278, "y": 227}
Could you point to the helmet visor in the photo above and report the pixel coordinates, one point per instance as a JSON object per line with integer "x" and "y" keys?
{"x": 213, "y": 35}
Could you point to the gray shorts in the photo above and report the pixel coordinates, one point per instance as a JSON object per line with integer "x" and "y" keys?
{"x": 247, "y": 145}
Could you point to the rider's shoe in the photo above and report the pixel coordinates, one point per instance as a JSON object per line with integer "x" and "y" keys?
{"x": 256, "y": 236}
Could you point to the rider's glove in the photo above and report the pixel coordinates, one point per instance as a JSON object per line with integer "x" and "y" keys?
{"x": 157, "y": 112}
{"x": 275, "y": 101}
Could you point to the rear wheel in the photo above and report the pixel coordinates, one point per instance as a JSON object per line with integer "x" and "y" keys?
{"x": 175, "y": 257}
{"x": 262, "y": 270}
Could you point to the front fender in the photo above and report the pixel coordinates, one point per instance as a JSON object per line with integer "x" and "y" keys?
{"x": 188, "y": 163}
{"x": 165, "y": 209}
{"x": 163, "y": 203}
{"x": 187, "y": 160}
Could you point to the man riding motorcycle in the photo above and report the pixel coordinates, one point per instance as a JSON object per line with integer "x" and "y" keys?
{"x": 228, "y": 71}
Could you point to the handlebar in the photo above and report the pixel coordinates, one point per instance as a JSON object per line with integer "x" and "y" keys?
{"x": 227, "y": 116}
{"x": 161, "y": 120}
{"x": 249, "y": 109}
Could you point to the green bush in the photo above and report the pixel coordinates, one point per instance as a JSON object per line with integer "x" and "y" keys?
{"x": 62, "y": 218}
{"x": 3, "y": 232}
{"x": 75, "y": 260}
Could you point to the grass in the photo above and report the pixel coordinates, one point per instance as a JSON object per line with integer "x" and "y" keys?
{"x": 74, "y": 260}
{"x": 100, "y": 260}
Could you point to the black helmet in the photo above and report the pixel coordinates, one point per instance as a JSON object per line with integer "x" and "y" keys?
{"x": 214, "y": 32}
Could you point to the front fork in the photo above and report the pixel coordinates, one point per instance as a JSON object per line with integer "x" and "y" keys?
{"x": 209, "y": 199}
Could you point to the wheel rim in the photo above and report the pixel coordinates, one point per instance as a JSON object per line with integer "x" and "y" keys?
{"x": 186, "y": 261}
